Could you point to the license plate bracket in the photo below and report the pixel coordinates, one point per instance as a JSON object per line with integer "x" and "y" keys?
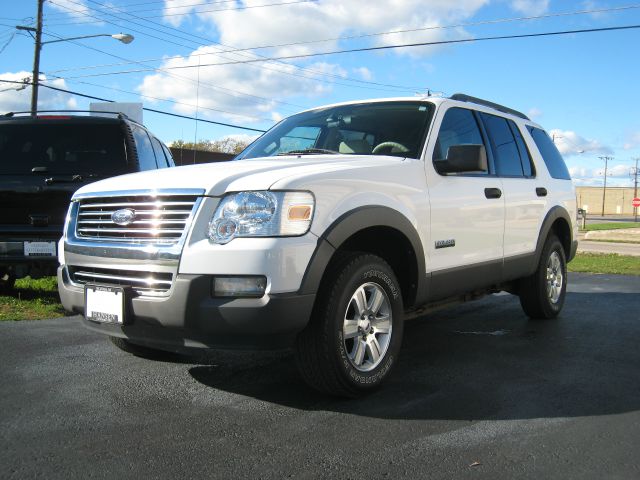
{"x": 104, "y": 304}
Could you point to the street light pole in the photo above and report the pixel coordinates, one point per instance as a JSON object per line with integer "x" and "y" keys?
{"x": 36, "y": 61}
{"x": 35, "y": 79}
{"x": 604, "y": 190}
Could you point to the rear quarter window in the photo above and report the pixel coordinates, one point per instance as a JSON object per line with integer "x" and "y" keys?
{"x": 550, "y": 154}
{"x": 63, "y": 148}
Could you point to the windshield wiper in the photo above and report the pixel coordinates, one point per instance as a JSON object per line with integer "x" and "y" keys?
{"x": 70, "y": 178}
{"x": 310, "y": 151}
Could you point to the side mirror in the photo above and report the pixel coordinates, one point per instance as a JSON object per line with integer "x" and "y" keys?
{"x": 463, "y": 159}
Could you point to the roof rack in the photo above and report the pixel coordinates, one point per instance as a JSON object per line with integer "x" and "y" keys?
{"x": 461, "y": 97}
{"x": 118, "y": 114}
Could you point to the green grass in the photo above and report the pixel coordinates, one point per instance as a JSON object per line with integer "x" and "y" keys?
{"x": 609, "y": 263}
{"x": 31, "y": 299}
{"x": 38, "y": 299}
{"x": 611, "y": 226}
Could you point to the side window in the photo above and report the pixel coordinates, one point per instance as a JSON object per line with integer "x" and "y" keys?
{"x": 160, "y": 157}
{"x": 550, "y": 154}
{"x": 525, "y": 156}
{"x": 146, "y": 157}
{"x": 505, "y": 150}
{"x": 459, "y": 127}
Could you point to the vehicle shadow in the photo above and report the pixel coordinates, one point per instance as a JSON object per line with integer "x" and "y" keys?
{"x": 482, "y": 360}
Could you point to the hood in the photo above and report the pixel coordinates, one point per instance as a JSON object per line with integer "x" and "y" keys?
{"x": 241, "y": 175}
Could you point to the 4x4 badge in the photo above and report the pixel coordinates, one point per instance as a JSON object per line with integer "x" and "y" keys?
{"x": 124, "y": 216}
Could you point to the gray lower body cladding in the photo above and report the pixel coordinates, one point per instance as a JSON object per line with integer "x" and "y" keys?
{"x": 191, "y": 317}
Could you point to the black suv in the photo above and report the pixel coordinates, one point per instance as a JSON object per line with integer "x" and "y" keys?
{"x": 43, "y": 160}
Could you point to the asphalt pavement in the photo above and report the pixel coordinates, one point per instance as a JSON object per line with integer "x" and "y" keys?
{"x": 479, "y": 392}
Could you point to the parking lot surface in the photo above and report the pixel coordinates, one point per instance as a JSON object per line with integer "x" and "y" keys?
{"x": 479, "y": 392}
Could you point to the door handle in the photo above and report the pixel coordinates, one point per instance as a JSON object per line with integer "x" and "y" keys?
{"x": 492, "y": 192}
{"x": 541, "y": 192}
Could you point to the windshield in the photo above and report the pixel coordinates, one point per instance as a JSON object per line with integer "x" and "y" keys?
{"x": 62, "y": 149}
{"x": 384, "y": 128}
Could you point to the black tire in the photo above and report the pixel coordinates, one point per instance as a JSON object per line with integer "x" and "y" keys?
{"x": 542, "y": 297}
{"x": 344, "y": 350}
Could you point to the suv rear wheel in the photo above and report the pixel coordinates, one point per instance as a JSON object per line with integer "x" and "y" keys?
{"x": 355, "y": 332}
{"x": 542, "y": 294}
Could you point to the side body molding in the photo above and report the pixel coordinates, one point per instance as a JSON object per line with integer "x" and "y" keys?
{"x": 353, "y": 222}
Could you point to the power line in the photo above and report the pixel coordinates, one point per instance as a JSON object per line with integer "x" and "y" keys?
{"x": 245, "y": 7}
{"x": 215, "y": 88}
{"x": 114, "y": 89}
{"x": 384, "y": 47}
{"x": 311, "y": 71}
{"x": 367, "y": 35}
{"x": 162, "y": 112}
{"x": 161, "y": 7}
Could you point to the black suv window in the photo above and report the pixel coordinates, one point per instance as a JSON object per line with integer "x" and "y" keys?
{"x": 63, "y": 149}
{"x": 459, "y": 127}
{"x": 506, "y": 154}
{"x": 146, "y": 157}
{"x": 550, "y": 154}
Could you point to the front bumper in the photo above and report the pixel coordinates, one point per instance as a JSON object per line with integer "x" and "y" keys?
{"x": 191, "y": 317}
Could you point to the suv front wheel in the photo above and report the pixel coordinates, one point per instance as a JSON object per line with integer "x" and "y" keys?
{"x": 355, "y": 332}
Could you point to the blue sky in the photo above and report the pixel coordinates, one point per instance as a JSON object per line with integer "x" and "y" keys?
{"x": 580, "y": 87}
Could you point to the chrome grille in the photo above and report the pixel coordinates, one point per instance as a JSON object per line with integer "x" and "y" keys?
{"x": 157, "y": 219}
{"x": 141, "y": 282}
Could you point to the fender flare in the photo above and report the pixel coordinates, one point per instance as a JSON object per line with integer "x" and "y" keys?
{"x": 554, "y": 214}
{"x": 351, "y": 223}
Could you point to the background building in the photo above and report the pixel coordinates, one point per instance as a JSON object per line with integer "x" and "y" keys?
{"x": 617, "y": 200}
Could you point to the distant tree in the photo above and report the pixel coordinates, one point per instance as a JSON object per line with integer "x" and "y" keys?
{"x": 224, "y": 145}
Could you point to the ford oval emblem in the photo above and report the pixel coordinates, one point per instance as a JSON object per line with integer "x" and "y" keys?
{"x": 124, "y": 216}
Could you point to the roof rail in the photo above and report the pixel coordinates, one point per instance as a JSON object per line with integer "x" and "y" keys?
{"x": 118, "y": 114}
{"x": 461, "y": 97}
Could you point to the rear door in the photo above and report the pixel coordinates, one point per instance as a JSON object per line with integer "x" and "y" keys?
{"x": 467, "y": 212}
{"x": 525, "y": 195}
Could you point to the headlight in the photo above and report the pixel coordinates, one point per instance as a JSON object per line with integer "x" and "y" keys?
{"x": 261, "y": 214}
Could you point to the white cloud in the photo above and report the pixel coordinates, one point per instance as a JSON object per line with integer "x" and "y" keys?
{"x": 633, "y": 141}
{"x": 534, "y": 113}
{"x": 298, "y": 23}
{"x": 364, "y": 73}
{"x": 324, "y": 19}
{"x": 570, "y": 143}
{"x": 530, "y": 7}
{"x": 12, "y": 100}
{"x": 238, "y": 90}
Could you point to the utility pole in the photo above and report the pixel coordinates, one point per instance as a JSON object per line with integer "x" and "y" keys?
{"x": 634, "y": 173}
{"x": 604, "y": 189}
{"x": 35, "y": 78}
{"x": 36, "y": 61}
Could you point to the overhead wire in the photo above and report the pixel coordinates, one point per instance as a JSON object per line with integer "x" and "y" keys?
{"x": 209, "y": 86}
{"x": 162, "y": 112}
{"x": 351, "y": 37}
{"x": 245, "y": 7}
{"x": 313, "y": 72}
{"x": 385, "y": 47}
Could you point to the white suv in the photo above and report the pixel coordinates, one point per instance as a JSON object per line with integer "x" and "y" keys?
{"x": 325, "y": 234}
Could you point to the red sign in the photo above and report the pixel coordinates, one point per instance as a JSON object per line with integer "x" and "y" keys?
{"x": 636, "y": 202}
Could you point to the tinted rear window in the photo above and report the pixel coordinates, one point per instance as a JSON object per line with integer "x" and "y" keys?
{"x": 550, "y": 154}
{"x": 64, "y": 149}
